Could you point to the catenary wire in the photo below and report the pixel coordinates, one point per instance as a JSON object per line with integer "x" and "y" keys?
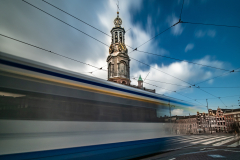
{"x": 81, "y": 20}
{"x": 176, "y": 93}
{"x": 184, "y": 60}
{"x": 222, "y": 101}
{"x": 156, "y": 35}
{"x": 65, "y": 22}
{"x": 180, "y": 17}
{"x": 218, "y": 25}
{"x": 128, "y": 29}
{"x": 75, "y": 17}
{"x": 223, "y": 74}
{"x": 221, "y": 97}
{"x": 77, "y": 60}
{"x": 170, "y": 91}
{"x": 221, "y": 87}
{"x": 55, "y": 54}
{"x": 106, "y": 44}
{"x": 159, "y": 70}
{"x": 50, "y": 51}
{"x": 166, "y": 83}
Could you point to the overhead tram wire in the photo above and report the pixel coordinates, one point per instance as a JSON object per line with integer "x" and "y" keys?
{"x": 161, "y": 82}
{"x": 159, "y": 70}
{"x": 81, "y": 20}
{"x": 180, "y": 21}
{"x": 170, "y": 91}
{"x": 180, "y": 17}
{"x": 71, "y": 58}
{"x": 222, "y": 101}
{"x": 223, "y": 74}
{"x": 174, "y": 92}
{"x": 222, "y": 87}
{"x": 218, "y": 25}
{"x": 102, "y": 42}
{"x": 226, "y": 73}
{"x": 206, "y": 91}
{"x": 220, "y": 97}
{"x": 156, "y": 35}
{"x": 65, "y": 23}
{"x": 184, "y": 60}
{"x": 49, "y": 51}
{"x": 106, "y": 44}
{"x": 128, "y": 29}
{"x": 53, "y": 53}
{"x": 166, "y": 83}
{"x": 75, "y": 17}
{"x": 163, "y": 30}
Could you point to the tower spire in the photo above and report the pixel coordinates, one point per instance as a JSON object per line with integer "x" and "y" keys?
{"x": 117, "y": 6}
{"x": 118, "y": 59}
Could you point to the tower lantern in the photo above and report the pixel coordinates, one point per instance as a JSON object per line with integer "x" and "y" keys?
{"x": 118, "y": 59}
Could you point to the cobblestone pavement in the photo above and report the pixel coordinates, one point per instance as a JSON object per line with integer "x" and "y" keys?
{"x": 222, "y": 148}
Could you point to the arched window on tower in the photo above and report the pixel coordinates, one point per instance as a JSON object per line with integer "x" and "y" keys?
{"x": 116, "y": 37}
{"x": 120, "y": 36}
{"x": 122, "y": 69}
{"x": 110, "y": 70}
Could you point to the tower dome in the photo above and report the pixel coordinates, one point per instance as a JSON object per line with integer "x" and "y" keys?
{"x": 117, "y": 21}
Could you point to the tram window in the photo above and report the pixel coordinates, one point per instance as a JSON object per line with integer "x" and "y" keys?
{"x": 23, "y": 105}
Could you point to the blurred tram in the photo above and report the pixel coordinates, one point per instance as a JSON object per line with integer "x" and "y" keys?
{"x": 51, "y": 113}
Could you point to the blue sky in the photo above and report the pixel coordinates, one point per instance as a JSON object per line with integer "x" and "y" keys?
{"x": 210, "y": 45}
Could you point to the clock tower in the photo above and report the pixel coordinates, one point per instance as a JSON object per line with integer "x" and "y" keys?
{"x": 118, "y": 59}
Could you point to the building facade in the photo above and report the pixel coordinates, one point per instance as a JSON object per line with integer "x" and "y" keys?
{"x": 221, "y": 126}
{"x": 231, "y": 117}
{"x": 186, "y": 125}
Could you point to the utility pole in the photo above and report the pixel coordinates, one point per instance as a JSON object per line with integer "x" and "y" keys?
{"x": 190, "y": 124}
{"x": 209, "y": 121}
{"x": 170, "y": 111}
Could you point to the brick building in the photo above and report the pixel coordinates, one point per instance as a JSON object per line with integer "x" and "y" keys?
{"x": 231, "y": 116}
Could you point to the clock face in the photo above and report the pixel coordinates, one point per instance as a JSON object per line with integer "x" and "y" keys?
{"x": 118, "y": 21}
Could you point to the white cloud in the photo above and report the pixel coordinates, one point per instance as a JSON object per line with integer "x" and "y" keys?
{"x": 177, "y": 29}
{"x": 209, "y": 33}
{"x": 44, "y": 31}
{"x": 178, "y": 112}
{"x": 185, "y": 71}
{"x": 189, "y": 47}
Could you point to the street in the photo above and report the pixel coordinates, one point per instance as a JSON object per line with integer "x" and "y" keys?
{"x": 202, "y": 147}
